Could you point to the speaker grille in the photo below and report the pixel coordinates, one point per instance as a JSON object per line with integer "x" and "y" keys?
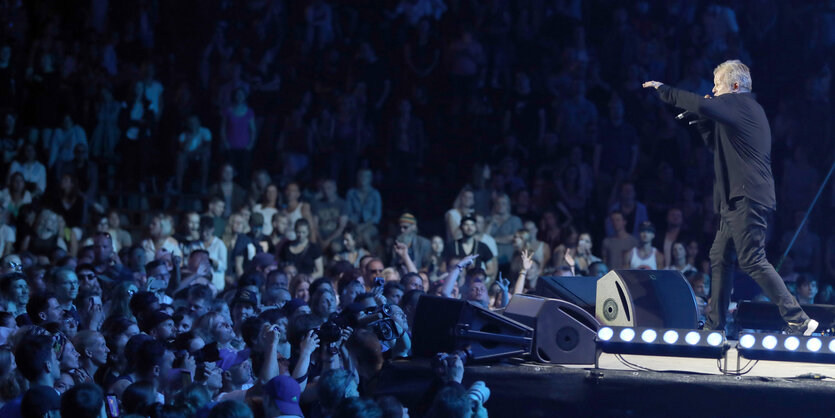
{"x": 568, "y": 338}
{"x": 610, "y": 309}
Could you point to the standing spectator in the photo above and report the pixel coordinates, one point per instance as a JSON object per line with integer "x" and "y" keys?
{"x": 616, "y": 153}
{"x": 464, "y": 205}
{"x": 678, "y": 260}
{"x": 136, "y": 146}
{"x": 353, "y": 249}
{"x": 237, "y": 133}
{"x": 615, "y": 246}
{"x": 216, "y": 250}
{"x": 465, "y": 56}
{"x": 468, "y": 245}
{"x": 106, "y": 133}
{"x": 195, "y": 146}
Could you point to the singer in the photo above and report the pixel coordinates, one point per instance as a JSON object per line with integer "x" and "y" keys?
{"x": 735, "y": 127}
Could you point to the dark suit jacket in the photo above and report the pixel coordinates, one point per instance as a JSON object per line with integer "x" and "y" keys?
{"x": 735, "y": 127}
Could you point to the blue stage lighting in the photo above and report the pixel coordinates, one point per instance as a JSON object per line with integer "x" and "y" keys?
{"x": 770, "y": 342}
{"x": 649, "y": 336}
{"x": 791, "y": 343}
{"x": 781, "y": 347}
{"x": 622, "y": 340}
{"x": 627, "y": 334}
{"x": 814, "y": 345}
{"x": 670, "y": 337}
{"x": 605, "y": 334}
{"x": 715, "y": 339}
{"x": 747, "y": 341}
{"x": 692, "y": 338}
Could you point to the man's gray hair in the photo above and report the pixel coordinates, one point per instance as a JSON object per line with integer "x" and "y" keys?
{"x": 734, "y": 71}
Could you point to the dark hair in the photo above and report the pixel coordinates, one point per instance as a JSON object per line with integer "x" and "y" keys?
{"x": 200, "y": 291}
{"x": 388, "y": 287}
{"x": 153, "y": 264}
{"x": 206, "y": 222}
{"x": 140, "y": 303}
{"x": 316, "y": 284}
{"x": 390, "y": 407}
{"x": 193, "y": 397}
{"x": 231, "y": 409}
{"x": 358, "y": 408}
{"x": 252, "y": 278}
{"x": 149, "y": 355}
{"x": 8, "y": 279}
{"x": 251, "y": 329}
{"x": 138, "y": 397}
{"x": 411, "y": 297}
{"x": 404, "y": 280}
{"x": 31, "y": 353}
{"x": 82, "y": 401}
{"x": 37, "y": 304}
{"x": 272, "y": 315}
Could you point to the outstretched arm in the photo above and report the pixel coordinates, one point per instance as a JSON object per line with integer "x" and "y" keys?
{"x": 706, "y": 107}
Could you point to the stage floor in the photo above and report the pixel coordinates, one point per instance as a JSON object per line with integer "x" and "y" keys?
{"x": 664, "y": 386}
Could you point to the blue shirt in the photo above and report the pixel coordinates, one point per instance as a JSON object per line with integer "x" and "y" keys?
{"x": 368, "y": 210}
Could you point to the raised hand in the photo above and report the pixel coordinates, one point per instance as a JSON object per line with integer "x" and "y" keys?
{"x": 527, "y": 260}
{"x": 467, "y": 261}
{"x": 653, "y": 84}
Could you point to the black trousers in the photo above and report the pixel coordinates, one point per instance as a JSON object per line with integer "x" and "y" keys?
{"x": 741, "y": 236}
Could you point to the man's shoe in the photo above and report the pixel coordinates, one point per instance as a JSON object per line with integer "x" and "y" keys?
{"x": 806, "y": 328}
{"x": 809, "y": 326}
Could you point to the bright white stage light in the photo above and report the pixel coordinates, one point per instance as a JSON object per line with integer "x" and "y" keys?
{"x": 692, "y": 338}
{"x": 627, "y": 334}
{"x": 747, "y": 341}
{"x": 670, "y": 337}
{"x": 649, "y": 335}
{"x": 791, "y": 343}
{"x": 770, "y": 342}
{"x": 814, "y": 344}
{"x": 714, "y": 339}
{"x": 605, "y": 334}
{"x": 832, "y": 345}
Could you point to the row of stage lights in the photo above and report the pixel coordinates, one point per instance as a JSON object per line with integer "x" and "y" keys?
{"x": 670, "y": 342}
{"x": 713, "y": 344}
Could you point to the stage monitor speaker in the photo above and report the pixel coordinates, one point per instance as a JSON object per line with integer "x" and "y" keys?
{"x": 443, "y": 325}
{"x": 646, "y": 298}
{"x": 563, "y": 332}
{"x": 579, "y": 290}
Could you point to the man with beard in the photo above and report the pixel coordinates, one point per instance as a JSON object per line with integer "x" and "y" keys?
{"x": 468, "y": 245}
{"x": 419, "y": 247}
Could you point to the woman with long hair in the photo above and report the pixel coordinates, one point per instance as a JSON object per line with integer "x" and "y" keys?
{"x": 268, "y": 207}
{"x": 464, "y": 205}
{"x": 306, "y": 255}
{"x": 240, "y": 247}
{"x": 353, "y": 249}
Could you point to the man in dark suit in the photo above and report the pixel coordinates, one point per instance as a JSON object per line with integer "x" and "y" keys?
{"x": 735, "y": 127}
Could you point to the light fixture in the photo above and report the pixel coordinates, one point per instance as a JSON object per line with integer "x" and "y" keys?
{"x": 814, "y": 344}
{"x": 695, "y": 343}
{"x": 781, "y": 347}
{"x": 747, "y": 341}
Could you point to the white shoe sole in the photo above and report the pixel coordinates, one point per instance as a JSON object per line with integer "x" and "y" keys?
{"x": 811, "y": 327}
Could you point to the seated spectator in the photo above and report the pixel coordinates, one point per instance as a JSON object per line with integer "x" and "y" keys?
{"x": 268, "y": 207}
{"x": 502, "y": 226}
{"x": 278, "y": 236}
{"x": 229, "y": 192}
{"x": 84, "y": 401}
{"x": 365, "y": 207}
{"x": 418, "y": 247}
{"x": 34, "y": 173}
{"x": 15, "y": 291}
{"x": 15, "y": 194}
{"x": 160, "y": 238}
{"x": 353, "y": 250}
{"x": 64, "y": 141}
{"x": 634, "y": 213}
{"x": 679, "y": 259}
{"x": 330, "y": 217}
{"x": 305, "y": 255}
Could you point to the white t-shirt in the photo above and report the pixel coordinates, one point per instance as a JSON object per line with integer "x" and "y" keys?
{"x": 193, "y": 141}
{"x": 33, "y": 172}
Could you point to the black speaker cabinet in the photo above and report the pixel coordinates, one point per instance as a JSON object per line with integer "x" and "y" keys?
{"x": 646, "y": 298}
{"x": 443, "y": 325}
{"x": 563, "y": 332}
{"x": 579, "y": 290}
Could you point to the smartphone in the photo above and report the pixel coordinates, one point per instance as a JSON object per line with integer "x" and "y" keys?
{"x": 112, "y": 406}
{"x": 96, "y": 300}
{"x": 185, "y": 378}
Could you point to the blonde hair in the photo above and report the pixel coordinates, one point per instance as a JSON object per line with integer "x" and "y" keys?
{"x": 166, "y": 225}
{"x": 734, "y": 71}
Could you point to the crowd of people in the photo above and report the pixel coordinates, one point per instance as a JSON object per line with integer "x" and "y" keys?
{"x": 229, "y": 208}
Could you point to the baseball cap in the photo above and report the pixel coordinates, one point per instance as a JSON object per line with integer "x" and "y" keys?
{"x": 231, "y": 358}
{"x": 647, "y": 226}
{"x": 284, "y": 392}
{"x": 245, "y": 296}
{"x": 150, "y": 320}
{"x": 263, "y": 260}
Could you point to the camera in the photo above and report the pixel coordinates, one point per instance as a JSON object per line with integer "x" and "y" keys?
{"x": 379, "y": 282}
{"x": 331, "y": 331}
{"x": 479, "y": 393}
{"x": 385, "y": 329}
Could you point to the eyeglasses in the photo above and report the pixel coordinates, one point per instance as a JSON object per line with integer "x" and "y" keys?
{"x": 89, "y": 276}
{"x": 376, "y": 270}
